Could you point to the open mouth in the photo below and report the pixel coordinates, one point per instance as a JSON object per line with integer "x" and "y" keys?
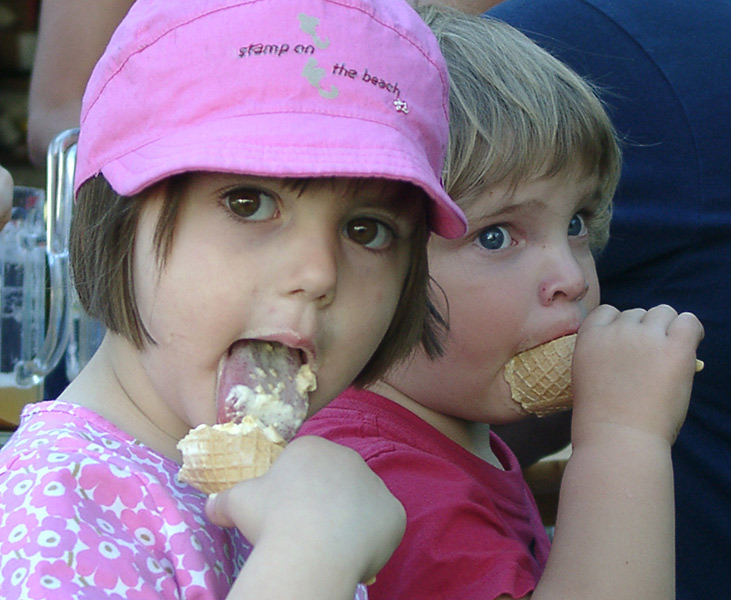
{"x": 267, "y": 380}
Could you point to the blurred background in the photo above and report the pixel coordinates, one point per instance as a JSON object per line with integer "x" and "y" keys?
{"x": 18, "y": 34}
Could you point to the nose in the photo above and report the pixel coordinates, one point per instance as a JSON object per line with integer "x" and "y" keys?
{"x": 311, "y": 271}
{"x": 562, "y": 277}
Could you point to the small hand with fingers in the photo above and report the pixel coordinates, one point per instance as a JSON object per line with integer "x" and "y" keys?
{"x": 635, "y": 369}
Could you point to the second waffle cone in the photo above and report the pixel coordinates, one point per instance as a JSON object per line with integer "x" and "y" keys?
{"x": 540, "y": 378}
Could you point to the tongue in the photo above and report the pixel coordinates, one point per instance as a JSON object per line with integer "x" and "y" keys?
{"x": 264, "y": 380}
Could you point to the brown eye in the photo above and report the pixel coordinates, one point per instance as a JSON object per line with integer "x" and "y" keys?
{"x": 369, "y": 233}
{"x": 251, "y": 204}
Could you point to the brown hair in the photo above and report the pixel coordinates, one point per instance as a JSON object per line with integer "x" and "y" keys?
{"x": 101, "y": 252}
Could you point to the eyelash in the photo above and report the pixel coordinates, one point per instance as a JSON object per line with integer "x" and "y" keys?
{"x": 504, "y": 228}
{"x": 584, "y": 224}
{"x": 349, "y": 230}
{"x": 230, "y": 195}
{"x": 484, "y": 241}
{"x": 588, "y": 215}
{"x": 382, "y": 229}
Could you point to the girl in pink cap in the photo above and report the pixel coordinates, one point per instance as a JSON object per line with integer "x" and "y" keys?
{"x": 248, "y": 172}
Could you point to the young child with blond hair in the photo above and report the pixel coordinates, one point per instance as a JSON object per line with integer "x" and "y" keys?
{"x": 533, "y": 162}
{"x": 249, "y": 175}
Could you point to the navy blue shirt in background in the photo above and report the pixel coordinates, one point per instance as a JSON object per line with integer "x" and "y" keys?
{"x": 664, "y": 72}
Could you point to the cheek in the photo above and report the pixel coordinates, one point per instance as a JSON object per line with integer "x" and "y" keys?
{"x": 482, "y": 309}
{"x": 593, "y": 296}
{"x": 354, "y": 330}
{"x": 144, "y": 270}
{"x": 374, "y": 307}
{"x": 191, "y": 291}
{"x": 477, "y": 337}
{"x": 168, "y": 301}
{"x": 370, "y": 299}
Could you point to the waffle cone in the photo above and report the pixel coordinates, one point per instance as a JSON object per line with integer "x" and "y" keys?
{"x": 216, "y": 457}
{"x": 540, "y": 378}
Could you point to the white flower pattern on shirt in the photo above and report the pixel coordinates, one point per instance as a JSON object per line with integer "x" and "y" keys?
{"x": 90, "y": 513}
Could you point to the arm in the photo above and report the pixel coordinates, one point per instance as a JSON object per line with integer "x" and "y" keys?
{"x": 6, "y": 197}
{"x": 614, "y": 537}
{"x": 320, "y": 520}
{"x": 72, "y": 36}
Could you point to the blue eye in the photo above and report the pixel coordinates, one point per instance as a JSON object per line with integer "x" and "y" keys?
{"x": 494, "y": 237}
{"x": 577, "y": 225}
{"x": 369, "y": 233}
{"x": 251, "y": 204}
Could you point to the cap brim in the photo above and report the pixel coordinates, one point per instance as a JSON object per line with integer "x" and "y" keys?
{"x": 262, "y": 144}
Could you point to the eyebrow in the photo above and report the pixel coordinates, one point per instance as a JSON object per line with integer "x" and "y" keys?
{"x": 396, "y": 197}
{"x": 507, "y": 209}
{"x": 501, "y": 212}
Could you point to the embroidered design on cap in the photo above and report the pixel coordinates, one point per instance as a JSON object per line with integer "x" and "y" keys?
{"x": 401, "y": 106}
{"x": 313, "y": 72}
{"x": 309, "y": 25}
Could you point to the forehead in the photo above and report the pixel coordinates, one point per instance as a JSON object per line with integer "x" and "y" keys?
{"x": 348, "y": 186}
{"x": 569, "y": 187}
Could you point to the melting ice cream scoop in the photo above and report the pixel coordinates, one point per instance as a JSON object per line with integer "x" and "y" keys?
{"x": 262, "y": 400}
{"x": 267, "y": 381}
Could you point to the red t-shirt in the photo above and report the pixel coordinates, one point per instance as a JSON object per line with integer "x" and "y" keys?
{"x": 473, "y": 531}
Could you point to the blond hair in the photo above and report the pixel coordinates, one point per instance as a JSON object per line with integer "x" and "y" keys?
{"x": 518, "y": 113}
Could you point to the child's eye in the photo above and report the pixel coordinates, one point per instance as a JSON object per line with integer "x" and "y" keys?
{"x": 577, "y": 226}
{"x": 369, "y": 233}
{"x": 495, "y": 237}
{"x": 251, "y": 204}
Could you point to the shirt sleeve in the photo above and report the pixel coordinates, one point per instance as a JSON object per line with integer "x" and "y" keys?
{"x": 458, "y": 543}
{"x": 74, "y": 527}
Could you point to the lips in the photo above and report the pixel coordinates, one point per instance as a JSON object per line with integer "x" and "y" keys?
{"x": 266, "y": 380}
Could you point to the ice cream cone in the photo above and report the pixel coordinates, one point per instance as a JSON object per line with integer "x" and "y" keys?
{"x": 540, "y": 378}
{"x": 216, "y": 457}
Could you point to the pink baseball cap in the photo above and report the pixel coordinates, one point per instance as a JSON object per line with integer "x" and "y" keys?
{"x": 282, "y": 88}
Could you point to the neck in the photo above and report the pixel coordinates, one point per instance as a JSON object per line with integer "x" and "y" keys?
{"x": 129, "y": 403}
{"x": 473, "y": 437}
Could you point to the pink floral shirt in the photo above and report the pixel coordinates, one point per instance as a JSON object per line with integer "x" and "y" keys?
{"x": 88, "y": 512}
